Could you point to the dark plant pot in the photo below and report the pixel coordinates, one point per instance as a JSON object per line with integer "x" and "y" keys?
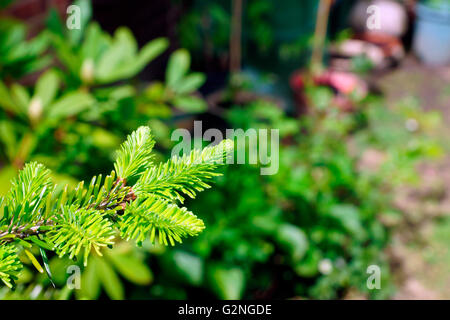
{"x": 432, "y": 37}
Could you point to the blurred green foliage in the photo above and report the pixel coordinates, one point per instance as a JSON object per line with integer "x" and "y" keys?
{"x": 18, "y": 56}
{"x": 82, "y": 107}
{"x": 312, "y": 229}
{"x": 205, "y": 28}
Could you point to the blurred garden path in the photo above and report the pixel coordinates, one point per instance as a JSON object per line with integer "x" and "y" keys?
{"x": 420, "y": 249}
{"x": 412, "y": 79}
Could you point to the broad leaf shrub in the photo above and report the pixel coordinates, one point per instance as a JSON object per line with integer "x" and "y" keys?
{"x": 135, "y": 202}
{"x": 312, "y": 229}
{"x": 178, "y": 90}
{"x": 19, "y": 56}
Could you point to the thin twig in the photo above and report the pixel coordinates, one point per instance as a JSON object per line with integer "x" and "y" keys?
{"x": 22, "y": 232}
{"x": 320, "y": 34}
{"x": 235, "y": 37}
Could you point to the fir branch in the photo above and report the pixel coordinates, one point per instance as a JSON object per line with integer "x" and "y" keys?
{"x": 186, "y": 175}
{"x": 10, "y": 265}
{"x": 27, "y": 191}
{"x": 101, "y": 194}
{"x": 135, "y": 153}
{"x": 22, "y": 232}
{"x": 147, "y": 216}
{"x": 79, "y": 228}
{"x": 88, "y": 218}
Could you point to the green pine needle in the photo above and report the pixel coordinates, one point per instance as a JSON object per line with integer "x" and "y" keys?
{"x": 147, "y": 216}
{"x": 135, "y": 153}
{"x": 188, "y": 174}
{"x": 27, "y": 191}
{"x": 77, "y": 229}
{"x": 10, "y": 265}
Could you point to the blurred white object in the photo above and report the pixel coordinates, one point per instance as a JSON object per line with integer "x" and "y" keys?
{"x": 393, "y": 19}
{"x": 432, "y": 34}
{"x": 412, "y": 125}
{"x": 325, "y": 266}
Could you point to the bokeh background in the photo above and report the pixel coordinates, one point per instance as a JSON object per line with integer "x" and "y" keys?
{"x": 364, "y": 172}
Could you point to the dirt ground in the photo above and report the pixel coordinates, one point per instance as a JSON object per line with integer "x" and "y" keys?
{"x": 420, "y": 250}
